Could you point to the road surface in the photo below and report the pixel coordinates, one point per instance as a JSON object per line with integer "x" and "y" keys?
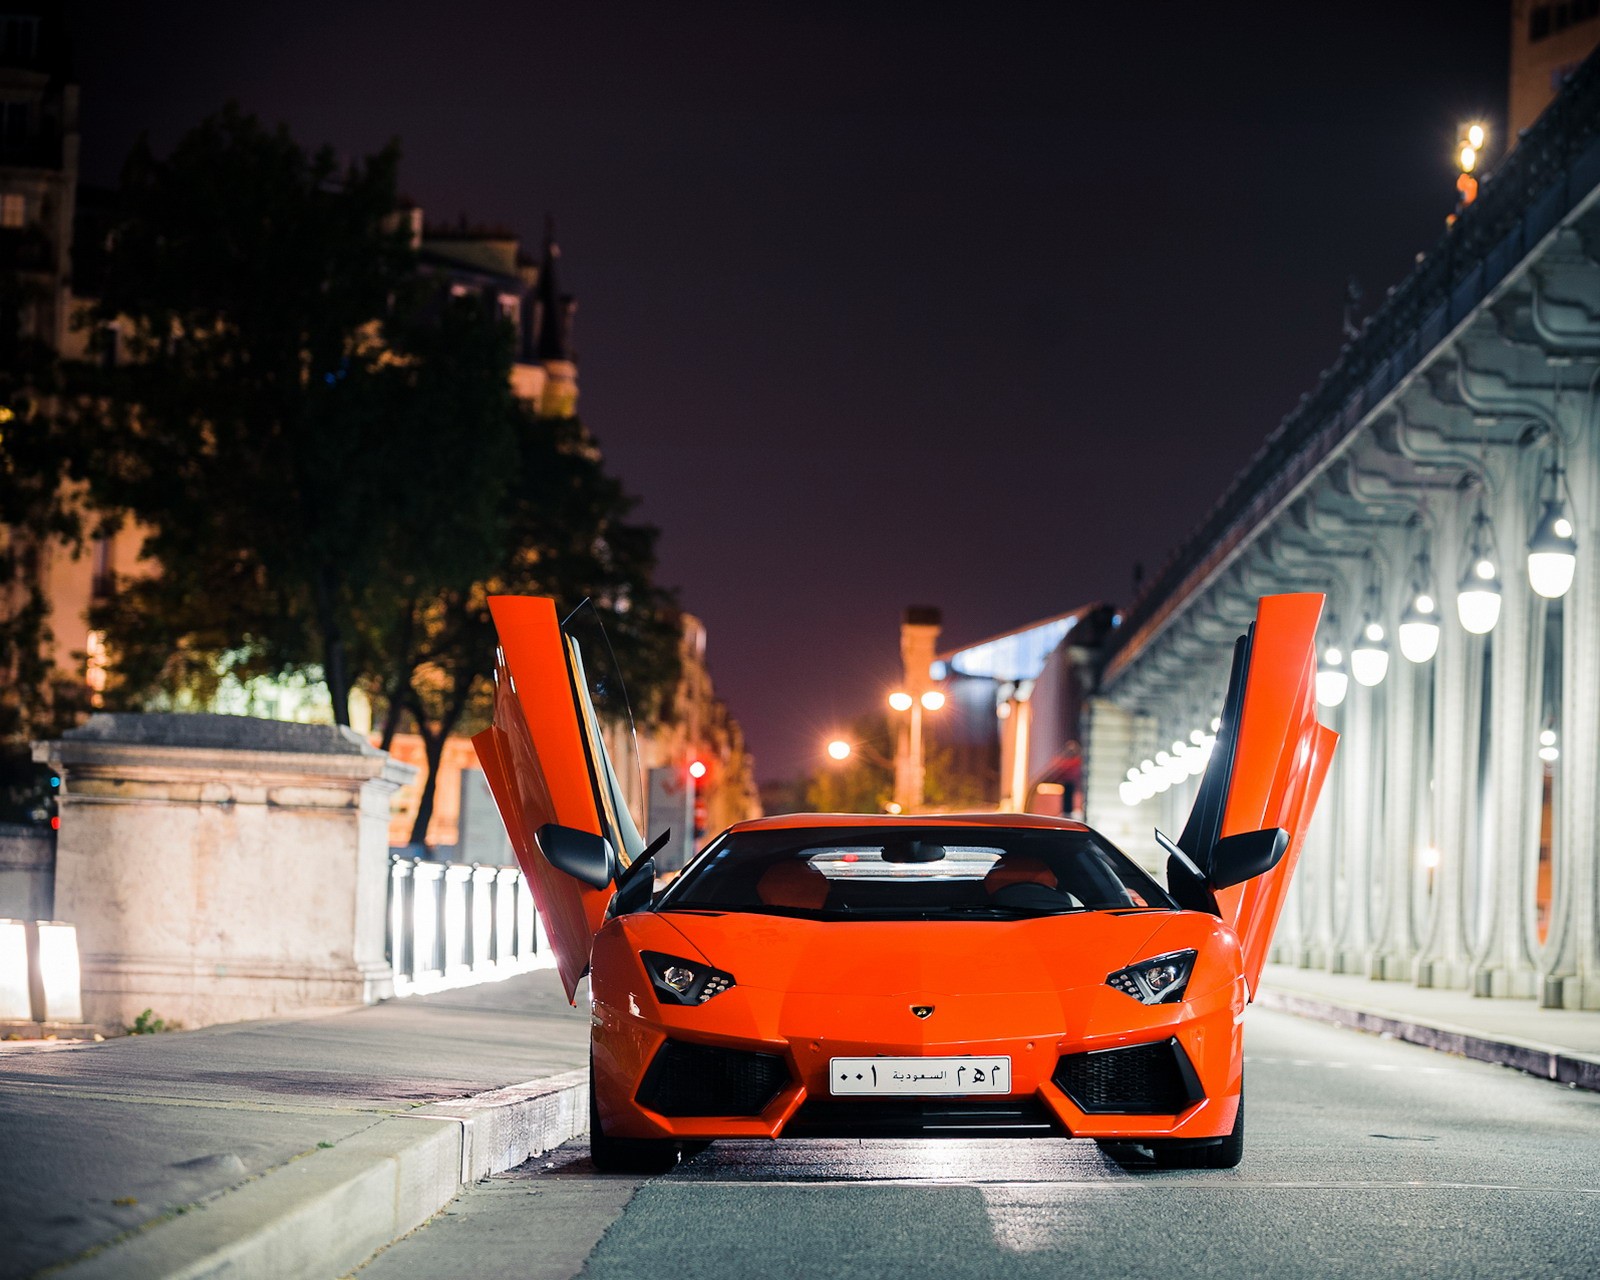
{"x": 1364, "y": 1157}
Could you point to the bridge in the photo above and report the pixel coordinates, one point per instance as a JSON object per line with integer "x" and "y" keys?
{"x": 1457, "y": 844}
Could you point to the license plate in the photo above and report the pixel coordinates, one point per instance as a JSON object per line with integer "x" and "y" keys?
{"x": 919, "y": 1077}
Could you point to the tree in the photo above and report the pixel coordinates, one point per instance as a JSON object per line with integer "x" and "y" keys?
{"x": 36, "y": 701}
{"x": 863, "y": 783}
{"x": 298, "y": 407}
{"x": 566, "y": 534}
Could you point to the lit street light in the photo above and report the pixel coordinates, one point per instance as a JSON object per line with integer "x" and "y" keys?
{"x": 1553, "y": 548}
{"x": 1469, "y": 153}
{"x": 839, "y": 749}
{"x": 910, "y": 771}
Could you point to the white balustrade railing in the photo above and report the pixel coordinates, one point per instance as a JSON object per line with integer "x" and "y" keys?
{"x": 453, "y": 924}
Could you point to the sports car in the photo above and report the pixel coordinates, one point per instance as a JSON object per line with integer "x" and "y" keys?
{"x": 938, "y": 975}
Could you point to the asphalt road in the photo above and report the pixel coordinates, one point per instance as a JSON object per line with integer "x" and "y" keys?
{"x": 1365, "y": 1157}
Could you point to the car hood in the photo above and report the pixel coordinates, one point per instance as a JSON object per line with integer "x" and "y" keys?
{"x": 901, "y": 957}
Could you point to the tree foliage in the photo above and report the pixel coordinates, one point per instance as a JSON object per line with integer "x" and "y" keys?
{"x": 863, "y": 783}
{"x": 35, "y": 509}
{"x": 296, "y": 408}
{"x": 323, "y": 445}
{"x": 566, "y": 534}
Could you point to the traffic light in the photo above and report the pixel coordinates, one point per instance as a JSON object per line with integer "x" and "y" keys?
{"x": 698, "y": 773}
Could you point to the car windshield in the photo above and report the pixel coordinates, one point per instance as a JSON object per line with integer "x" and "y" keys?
{"x": 913, "y": 873}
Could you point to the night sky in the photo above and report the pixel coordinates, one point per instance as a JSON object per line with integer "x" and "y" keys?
{"x": 973, "y": 305}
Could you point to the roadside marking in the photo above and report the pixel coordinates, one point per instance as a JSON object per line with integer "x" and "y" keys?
{"x": 1253, "y": 1060}
{"x": 1122, "y": 1184}
{"x": 215, "y": 1104}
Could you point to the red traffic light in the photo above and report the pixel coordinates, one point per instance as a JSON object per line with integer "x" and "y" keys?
{"x": 697, "y": 769}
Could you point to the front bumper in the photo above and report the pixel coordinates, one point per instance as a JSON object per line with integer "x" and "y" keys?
{"x": 1072, "y": 1070}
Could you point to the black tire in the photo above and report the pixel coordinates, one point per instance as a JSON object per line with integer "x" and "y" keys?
{"x": 625, "y": 1155}
{"x": 1225, "y": 1154}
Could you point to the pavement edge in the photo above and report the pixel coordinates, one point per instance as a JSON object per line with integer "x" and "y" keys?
{"x": 1545, "y": 1061}
{"x": 325, "y": 1213}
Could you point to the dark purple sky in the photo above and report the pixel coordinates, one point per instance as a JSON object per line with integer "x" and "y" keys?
{"x": 965, "y": 305}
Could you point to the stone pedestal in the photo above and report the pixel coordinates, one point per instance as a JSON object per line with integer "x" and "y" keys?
{"x": 27, "y": 872}
{"x": 222, "y": 867}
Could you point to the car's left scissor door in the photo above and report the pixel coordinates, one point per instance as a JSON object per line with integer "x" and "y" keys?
{"x": 547, "y": 761}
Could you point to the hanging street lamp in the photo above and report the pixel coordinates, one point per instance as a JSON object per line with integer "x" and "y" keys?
{"x": 1553, "y": 548}
{"x": 1419, "y": 624}
{"x": 1369, "y": 656}
{"x": 1478, "y": 594}
{"x": 1332, "y": 681}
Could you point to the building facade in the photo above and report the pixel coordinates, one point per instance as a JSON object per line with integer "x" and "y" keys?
{"x": 1442, "y": 486}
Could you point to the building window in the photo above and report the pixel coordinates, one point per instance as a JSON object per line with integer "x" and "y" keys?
{"x": 100, "y": 577}
{"x": 19, "y": 37}
{"x": 13, "y": 125}
{"x": 1545, "y": 20}
{"x": 13, "y": 210}
{"x": 95, "y": 668}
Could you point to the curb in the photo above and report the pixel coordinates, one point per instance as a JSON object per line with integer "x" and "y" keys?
{"x": 326, "y": 1213}
{"x": 1548, "y": 1062}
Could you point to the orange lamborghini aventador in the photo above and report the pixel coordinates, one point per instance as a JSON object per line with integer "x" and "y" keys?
{"x": 840, "y": 974}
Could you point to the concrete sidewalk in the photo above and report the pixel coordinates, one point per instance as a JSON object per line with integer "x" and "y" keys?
{"x": 278, "y": 1148}
{"x": 1555, "y": 1044}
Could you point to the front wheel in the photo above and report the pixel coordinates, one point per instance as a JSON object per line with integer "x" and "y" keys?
{"x": 625, "y": 1155}
{"x": 1216, "y": 1155}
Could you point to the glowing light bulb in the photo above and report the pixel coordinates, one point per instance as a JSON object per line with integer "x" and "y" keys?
{"x": 1479, "y": 609}
{"x": 1419, "y": 639}
{"x": 1331, "y": 687}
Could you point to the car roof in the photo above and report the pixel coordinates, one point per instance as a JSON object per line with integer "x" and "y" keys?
{"x": 797, "y": 821}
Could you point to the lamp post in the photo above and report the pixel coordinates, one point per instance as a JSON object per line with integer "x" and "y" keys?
{"x": 910, "y": 774}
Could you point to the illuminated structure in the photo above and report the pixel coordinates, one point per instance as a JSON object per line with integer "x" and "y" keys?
{"x": 1549, "y": 41}
{"x": 489, "y": 262}
{"x": 1441, "y": 484}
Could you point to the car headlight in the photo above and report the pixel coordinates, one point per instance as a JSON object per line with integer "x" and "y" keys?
{"x": 1158, "y": 980}
{"x": 681, "y": 981}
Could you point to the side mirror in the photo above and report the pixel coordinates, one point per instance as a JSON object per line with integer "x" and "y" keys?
{"x": 581, "y": 854}
{"x": 637, "y": 883}
{"x": 1235, "y": 859}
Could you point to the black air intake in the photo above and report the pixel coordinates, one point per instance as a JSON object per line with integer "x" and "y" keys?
{"x": 703, "y": 1080}
{"x": 1143, "y": 1080}
{"x": 921, "y": 1118}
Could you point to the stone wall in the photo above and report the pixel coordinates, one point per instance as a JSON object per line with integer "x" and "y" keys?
{"x": 222, "y": 867}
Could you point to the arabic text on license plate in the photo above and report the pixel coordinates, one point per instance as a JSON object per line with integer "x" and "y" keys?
{"x": 920, "y": 1076}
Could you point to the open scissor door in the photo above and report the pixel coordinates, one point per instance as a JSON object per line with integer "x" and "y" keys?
{"x": 1262, "y": 781}
{"x": 549, "y": 768}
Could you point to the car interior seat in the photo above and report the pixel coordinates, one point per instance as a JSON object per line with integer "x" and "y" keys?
{"x": 793, "y": 883}
{"x": 1018, "y": 868}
